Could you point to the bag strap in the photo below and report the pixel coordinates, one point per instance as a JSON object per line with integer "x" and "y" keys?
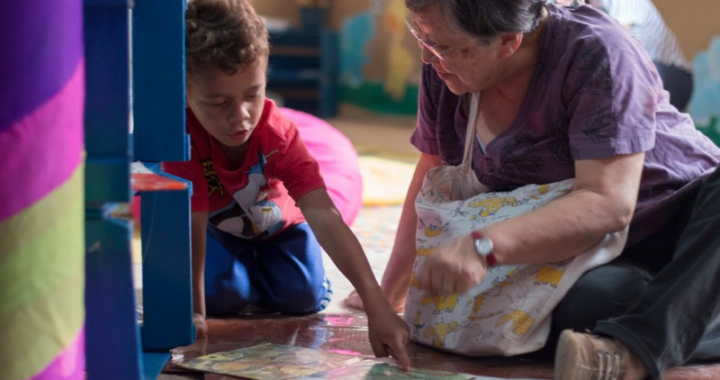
{"x": 470, "y": 134}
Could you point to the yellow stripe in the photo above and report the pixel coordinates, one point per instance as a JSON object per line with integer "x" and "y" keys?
{"x": 42, "y": 277}
{"x": 46, "y": 260}
{"x": 37, "y": 332}
{"x": 34, "y": 220}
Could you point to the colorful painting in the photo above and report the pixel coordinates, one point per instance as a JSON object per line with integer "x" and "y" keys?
{"x": 706, "y": 94}
{"x": 379, "y": 66}
{"x": 371, "y": 370}
{"x": 268, "y": 361}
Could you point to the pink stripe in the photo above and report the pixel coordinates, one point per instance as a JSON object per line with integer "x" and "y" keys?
{"x": 69, "y": 365}
{"x": 41, "y": 151}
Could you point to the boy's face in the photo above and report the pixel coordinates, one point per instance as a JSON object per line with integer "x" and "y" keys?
{"x": 229, "y": 106}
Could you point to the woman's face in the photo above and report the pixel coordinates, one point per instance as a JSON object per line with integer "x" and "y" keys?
{"x": 468, "y": 65}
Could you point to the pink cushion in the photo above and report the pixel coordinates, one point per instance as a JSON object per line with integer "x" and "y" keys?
{"x": 337, "y": 158}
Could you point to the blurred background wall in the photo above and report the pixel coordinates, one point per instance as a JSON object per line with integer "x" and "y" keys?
{"x": 380, "y": 63}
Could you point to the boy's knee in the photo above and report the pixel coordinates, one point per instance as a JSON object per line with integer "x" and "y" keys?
{"x": 224, "y": 306}
{"x": 299, "y": 300}
{"x": 224, "y": 298}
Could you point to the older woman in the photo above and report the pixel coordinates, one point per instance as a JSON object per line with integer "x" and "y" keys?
{"x": 567, "y": 93}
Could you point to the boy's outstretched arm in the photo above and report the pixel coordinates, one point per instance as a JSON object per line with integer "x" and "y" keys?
{"x": 199, "y": 237}
{"x": 396, "y": 279}
{"x": 389, "y": 335}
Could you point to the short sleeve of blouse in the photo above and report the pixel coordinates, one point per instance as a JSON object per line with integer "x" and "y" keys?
{"x": 611, "y": 91}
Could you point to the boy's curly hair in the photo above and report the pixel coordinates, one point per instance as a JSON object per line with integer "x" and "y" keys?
{"x": 226, "y": 34}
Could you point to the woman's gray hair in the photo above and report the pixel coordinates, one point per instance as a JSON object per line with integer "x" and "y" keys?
{"x": 485, "y": 19}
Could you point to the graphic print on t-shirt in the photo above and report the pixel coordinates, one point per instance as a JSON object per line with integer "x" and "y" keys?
{"x": 211, "y": 177}
{"x": 251, "y": 214}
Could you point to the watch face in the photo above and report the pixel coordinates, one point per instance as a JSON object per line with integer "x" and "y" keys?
{"x": 484, "y": 246}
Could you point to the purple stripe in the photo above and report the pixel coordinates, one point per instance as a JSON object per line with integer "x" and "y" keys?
{"x": 41, "y": 151}
{"x": 69, "y": 365}
{"x": 41, "y": 45}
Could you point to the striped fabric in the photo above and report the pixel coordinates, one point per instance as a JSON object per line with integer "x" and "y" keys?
{"x": 41, "y": 190}
{"x": 647, "y": 25}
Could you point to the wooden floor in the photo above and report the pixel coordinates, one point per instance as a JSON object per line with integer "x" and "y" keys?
{"x": 347, "y": 334}
{"x": 344, "y": 331}
{"x": 376, "y": 134}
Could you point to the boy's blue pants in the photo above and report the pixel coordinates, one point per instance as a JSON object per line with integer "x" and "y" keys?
{"x": 284, "y": 274}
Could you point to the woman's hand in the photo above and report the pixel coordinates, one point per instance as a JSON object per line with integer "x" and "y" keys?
{"x": 389, "y": 335}
{"x": 452, "y": 268}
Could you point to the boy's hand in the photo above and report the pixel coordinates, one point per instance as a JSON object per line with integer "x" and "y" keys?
{"x": 389, "y": 336}
{"x": 200, "y": 326}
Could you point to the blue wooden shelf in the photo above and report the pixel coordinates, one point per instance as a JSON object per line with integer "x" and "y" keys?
{"x": 292, "y": 76}
{"x": 167, "y": 260}
{"x": 303, "y": 69}
{"x": 117, "y": 347}
{"x": 153, "y": 363}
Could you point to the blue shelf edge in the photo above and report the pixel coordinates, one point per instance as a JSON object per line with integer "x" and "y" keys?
{"x": 153, "y": 363}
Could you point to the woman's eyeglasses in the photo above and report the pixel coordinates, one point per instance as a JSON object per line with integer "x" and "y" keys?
{"x": 439, "y": 53}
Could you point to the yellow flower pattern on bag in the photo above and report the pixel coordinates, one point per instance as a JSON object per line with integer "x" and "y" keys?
{"x": 508, "y": 312}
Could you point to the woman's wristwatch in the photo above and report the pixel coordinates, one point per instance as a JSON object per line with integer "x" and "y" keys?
{"x": 484, "y": 248}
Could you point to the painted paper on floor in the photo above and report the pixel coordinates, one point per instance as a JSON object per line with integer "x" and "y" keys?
{"x": 268, "y": 361}
{"x": 371, "y": 370}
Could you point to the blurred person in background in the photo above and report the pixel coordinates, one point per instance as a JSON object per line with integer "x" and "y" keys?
{"x": 644, "y": 22}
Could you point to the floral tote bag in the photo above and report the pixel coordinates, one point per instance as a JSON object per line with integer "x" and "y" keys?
{"x": 509, "y": 312}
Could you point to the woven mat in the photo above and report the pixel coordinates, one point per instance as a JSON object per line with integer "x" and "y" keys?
{"x": 385, "y": 181}
{"x": 375, "y": 228}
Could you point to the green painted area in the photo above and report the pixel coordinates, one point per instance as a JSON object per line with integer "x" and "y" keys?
{"x": 372, "y": 96}
{"x": 711, "y": 130}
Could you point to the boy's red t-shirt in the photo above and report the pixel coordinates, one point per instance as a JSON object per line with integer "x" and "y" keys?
{"x": 257, "y": 200}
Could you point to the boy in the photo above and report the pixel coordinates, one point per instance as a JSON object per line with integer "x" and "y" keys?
{"x": 255, "y": 186}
